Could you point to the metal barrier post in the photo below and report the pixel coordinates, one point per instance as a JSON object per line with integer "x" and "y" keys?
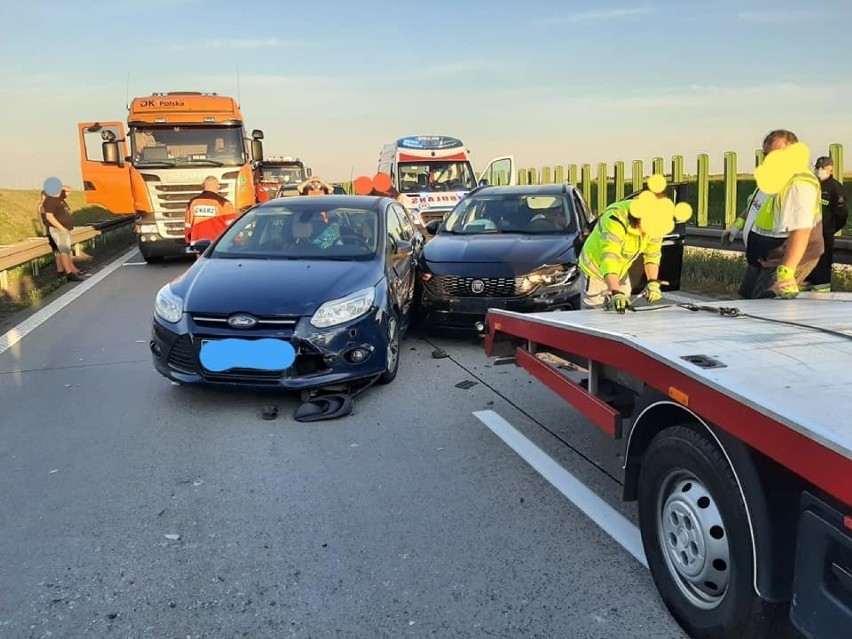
{"x": 730, "y": 187}
{"x": 703, "y": 189}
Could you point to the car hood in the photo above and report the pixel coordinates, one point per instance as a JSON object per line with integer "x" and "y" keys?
{"x": 271, "y": 287}
{"x": 518, "y": 254}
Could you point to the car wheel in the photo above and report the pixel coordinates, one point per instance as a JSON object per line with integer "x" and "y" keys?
{"x": 392, "y": 360}
{"x": 697, "y": 540}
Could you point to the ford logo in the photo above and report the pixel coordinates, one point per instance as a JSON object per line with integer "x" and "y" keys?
{"x": 477, "y": 286}
{"x": 242, "y": 321}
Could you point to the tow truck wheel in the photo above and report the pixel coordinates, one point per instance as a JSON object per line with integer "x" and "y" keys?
{"x": 698, "y": 542}
{"x": 392, "y": 362}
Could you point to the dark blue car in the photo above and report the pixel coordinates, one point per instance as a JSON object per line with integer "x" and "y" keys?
{"x": 299, "y": 293}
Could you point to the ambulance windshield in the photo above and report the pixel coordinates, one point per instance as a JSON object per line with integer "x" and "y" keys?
{"x": 435, "y": 176}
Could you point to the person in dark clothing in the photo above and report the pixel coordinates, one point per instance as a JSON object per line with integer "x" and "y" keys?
{"x": 60, "y": 269}
{"x": 835, "y": 214}
{"x": 60, "y": 223}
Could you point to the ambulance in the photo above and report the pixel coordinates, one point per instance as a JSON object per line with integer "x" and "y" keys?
{"x": 434, "y": 172}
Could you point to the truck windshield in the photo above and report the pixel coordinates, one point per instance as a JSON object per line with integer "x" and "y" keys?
{"x": 435, "y": 175}
{"x": 187, "y": 146}
{"x": 279, "y": 174}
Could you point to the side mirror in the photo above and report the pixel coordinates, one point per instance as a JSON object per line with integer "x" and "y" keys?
{"x": 433, "y": 226}
{"x": 257, "y": 149}
{"x": 257, "y": 134}
{"x": 402, "y": 246}
{"x": 112, "y": 154}
{"x": 201, "y": 245}
{"x": 310, "y": 172}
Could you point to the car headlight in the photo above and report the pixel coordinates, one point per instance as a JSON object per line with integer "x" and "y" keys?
{"x": 168, "y": 305}
{"x": 557, "y": 275}
{"x": 345, "y": 309}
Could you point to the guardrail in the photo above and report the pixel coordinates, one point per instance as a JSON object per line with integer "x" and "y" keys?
{"x": 710, "y": 238}
{"x": 32, "y": 250}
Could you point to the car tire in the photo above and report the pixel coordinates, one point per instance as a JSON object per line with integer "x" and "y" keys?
{"x": 394, "y": 341}
{"x": 698, "y": 542}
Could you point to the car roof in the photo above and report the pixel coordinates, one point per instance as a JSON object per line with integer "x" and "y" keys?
{"x": 526, "y": 189}
{"x": 331, "y": 201}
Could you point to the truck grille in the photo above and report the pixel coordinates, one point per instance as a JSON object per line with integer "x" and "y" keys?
{"x": 170, "y": 202}
{"x": 454, "y": 286}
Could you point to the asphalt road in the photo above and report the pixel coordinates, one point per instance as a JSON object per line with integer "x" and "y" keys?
{"x": 408, "y": 518}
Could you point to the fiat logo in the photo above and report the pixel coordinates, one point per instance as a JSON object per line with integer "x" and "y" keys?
{"x": 477, "y": 286}
{"x": 242, "y": 321}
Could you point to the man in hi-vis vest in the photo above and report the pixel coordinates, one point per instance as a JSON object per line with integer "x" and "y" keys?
{"x": 786, "y": 242}
{"x": 208, "y": 214}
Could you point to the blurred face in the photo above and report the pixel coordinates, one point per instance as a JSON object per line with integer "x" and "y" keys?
{"x": 776, "y": 145}
{"x": 825, "y": 172}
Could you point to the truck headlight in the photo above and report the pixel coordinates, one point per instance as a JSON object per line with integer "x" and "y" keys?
{"x": 345, "y": 309}
{"x": 557, "y": 275}
{"x": 168, "y": 306}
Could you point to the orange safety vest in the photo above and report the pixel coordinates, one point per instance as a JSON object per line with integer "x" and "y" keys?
{"x": 207, "y": 216}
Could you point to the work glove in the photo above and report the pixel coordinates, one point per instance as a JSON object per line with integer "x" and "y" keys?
{"x": 730, "y": 234}
{"x": 785, "y": 282}
{"x": 652, "y": 291}
{"x": 618, "y": 301}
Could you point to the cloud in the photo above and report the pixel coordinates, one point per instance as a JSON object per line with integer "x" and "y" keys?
{"x": 778, "y": 17}
{"x": 600, "y": 16}
{"x": 256, "y": 43}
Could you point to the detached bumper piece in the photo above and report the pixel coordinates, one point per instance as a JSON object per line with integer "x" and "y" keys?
{"x": 822, "y": 590}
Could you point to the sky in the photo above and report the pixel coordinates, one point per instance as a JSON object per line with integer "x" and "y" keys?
{"x": 332, "y": 81}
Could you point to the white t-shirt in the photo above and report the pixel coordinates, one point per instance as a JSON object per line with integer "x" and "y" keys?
{"x": 797, "y": 211}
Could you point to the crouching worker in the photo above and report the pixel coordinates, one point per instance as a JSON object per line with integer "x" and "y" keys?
{"x": 625, "y": 231}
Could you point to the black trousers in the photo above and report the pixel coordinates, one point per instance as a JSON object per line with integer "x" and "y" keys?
{"x": 822, "y": 272}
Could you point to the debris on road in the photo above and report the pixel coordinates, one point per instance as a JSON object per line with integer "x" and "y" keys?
{"x": 55, "y": 470}
{"x": 173, "y": 537}
{"x": 439, "y": 353}
{"x": 466, "y": 384}
{"x": 269, "y": 412}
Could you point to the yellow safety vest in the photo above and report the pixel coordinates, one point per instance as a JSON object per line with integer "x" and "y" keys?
{"x": 768, "y": 220}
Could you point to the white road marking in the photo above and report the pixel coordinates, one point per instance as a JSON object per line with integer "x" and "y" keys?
{"x": 610, "y": 520}
{"x": 16, "y": 334}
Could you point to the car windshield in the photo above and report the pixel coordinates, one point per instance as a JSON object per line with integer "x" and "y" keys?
{"x": 435, "y": 176}
{"x": 512, "y": 213}
{"x": 280, "y": 231}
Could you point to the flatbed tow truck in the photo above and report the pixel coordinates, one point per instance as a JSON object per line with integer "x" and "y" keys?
{"x": 734, "y": 420}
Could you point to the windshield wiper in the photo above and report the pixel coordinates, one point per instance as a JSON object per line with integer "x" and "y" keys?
{"x": 154, "y": 163}
{"x": 206, "y": 161}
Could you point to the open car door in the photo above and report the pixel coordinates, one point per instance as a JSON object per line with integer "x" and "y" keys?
{"x": 499, "y": 172}
{"x": 106, "y": 184}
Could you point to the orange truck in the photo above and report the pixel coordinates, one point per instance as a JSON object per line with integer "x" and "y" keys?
{"x": 173, "y": 141}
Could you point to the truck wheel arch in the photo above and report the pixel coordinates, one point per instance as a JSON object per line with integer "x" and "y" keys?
{"x": 772, "y": 514}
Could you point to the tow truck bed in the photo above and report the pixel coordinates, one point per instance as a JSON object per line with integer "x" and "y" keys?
{"x": 747, "y": 404}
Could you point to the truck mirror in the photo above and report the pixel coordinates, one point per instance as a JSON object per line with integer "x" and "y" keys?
{"x": 310, "y": 172}
{"x": 257, "y": 134}
{"x": 257, "y": 150}
{"x": 111, "y": 153}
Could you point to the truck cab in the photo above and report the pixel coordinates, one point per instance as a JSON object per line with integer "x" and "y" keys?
{"x": 151, "y": 168}
{"x": 274, "y": 175}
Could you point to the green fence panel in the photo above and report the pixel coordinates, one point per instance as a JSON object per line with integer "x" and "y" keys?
{"x": 730, "y": 178}
{"x": 532, "y": 176}
{"x": 638, "y": 175}
{"x": 758, "y": 158}
{"x": 677, "y": 168}
{"x": 835, "y": 151}
{"x": 572, "y": 174}
{"x": 657, "y": 166}
{"x": 618, "y": 175}
{"x": 523, "y": 176}
{"x": 546, "y": 175}
{"x": 559, "y": 174}
{"x": 586, "y": 171}
{"x": 703, "y": 189}
{"x": 602, "y": 183}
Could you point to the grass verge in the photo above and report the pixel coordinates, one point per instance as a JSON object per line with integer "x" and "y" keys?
{"x": 19, "y": 220}
{"x": 719, "y": 273}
